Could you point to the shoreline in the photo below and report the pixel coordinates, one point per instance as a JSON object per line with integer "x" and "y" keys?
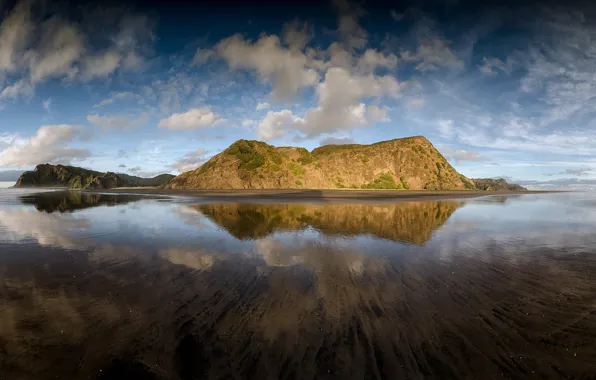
{"x": 331, "y": 195}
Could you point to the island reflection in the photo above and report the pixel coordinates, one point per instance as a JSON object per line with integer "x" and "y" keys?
{"x": 68, "y": 201}
{"x": 412, "y": 222}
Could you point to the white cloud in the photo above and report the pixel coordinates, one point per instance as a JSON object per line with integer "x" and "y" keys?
{"x": 460, "y": 155}
{"x": 337, "y": 141}
{"x": 34, "y": 48}
{"x": 375, "y": 113}
{"x": 20, "y": 88}
{"x": 276, "y": 124}
{"x": 14, "y": 35}
{"x": 262, "y": 106}
{"x": 340, "y": 106}
{"x": 117, "y": 122}
{"x": 287, "y": 69}
{"x": 202, "y": 55}
{"x": 297, "y": 35}
{"x": 194, "y": 118}
{"x": 373, "y": 59}
{"x": 49, "y": 145}
{"x": 190, "y": 161}
{"x": 60, "y": 47}
{"x": 247, "y": 123}
{"x": 101, "y": 64}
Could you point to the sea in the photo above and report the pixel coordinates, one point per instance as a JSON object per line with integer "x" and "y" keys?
{"x": 109, "y": 286}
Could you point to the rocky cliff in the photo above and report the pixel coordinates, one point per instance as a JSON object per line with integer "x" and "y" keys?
{"x": 47, "y": 175}
{"x": 499, "y": 184}
{"x": 408, "y": 163}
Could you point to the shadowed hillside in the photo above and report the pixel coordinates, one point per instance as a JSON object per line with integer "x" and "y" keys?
{"x": 47, "y": 175}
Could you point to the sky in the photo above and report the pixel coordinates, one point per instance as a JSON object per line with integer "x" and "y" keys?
{"x": 502, "y": 89}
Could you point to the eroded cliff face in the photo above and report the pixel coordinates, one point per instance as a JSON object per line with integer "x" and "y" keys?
{"x": 47, "y": 175}
{"x": 408, "y": 163}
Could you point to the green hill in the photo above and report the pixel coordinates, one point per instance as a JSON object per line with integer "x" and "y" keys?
{"x": 408, "y": 163}
{"x": 73, "y": 177}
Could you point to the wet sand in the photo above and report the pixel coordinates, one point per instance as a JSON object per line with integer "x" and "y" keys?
{"x": 365, "y": 196}
{"x": 121, "y": 313}
{"x": 240, "y": 291}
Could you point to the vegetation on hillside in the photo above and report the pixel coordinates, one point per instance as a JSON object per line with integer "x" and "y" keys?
{"x": 409, "y": 163}
{"x": 73, "y": 177}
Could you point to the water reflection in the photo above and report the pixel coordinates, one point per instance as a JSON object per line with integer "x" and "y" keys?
{"x": 68, "y": 201}
{"x": 412, "y": 222}
{"x": 169, "y": 291}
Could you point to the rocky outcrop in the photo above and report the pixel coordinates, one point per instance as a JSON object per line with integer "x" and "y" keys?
{"x": 408, "y": 163}
{"x": 498, "y": 184}
{"x": 72, "y": 177}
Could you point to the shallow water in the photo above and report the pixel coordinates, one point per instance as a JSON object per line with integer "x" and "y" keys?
{"x": 123, "y": 286}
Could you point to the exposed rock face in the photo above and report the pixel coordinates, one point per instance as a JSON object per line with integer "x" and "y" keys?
{"x": 47, "y": 175}
{"x": 408, "y": 163}
{"x": 500, "y": 184}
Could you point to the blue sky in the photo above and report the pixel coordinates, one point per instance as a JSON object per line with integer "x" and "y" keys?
{"x": 146, "y": 89}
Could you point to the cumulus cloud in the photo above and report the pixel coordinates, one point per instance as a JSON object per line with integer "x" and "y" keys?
{"x": 340, "y": 106}
{"x": 49, "y": 145}
{"x": 262, "y": 106}
{"x": 375, "y": 113}
{"x": 337, "y": 141}
{"x": 116, "y": 122}
{"x": 460, "y": 155}
{"x": 190, "y": 161}
{"x": 61, "y": 46}
{"x": 286, "y": 68}
{"x": 246, "y": 123}
{"x": 34, "y": 48}
{"x": 122, "y": 166}
{"x": 194, "y": 118}
{"x": 101, "y": 64}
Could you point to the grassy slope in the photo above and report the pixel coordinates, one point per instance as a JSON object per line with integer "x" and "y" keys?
{"x": 410, "y": 163}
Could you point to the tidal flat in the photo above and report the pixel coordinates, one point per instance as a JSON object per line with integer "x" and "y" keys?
{"x": 108, "y": 285}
